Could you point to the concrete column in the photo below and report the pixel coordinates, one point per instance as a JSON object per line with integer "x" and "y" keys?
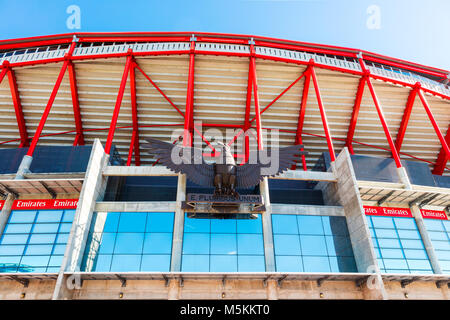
{"x": 426, "y": 239}
{"x": 267, "y": 227}
{"x": 6, "y": 211}
{"x": 363, "y": 250}
{"x": 404, "y": 178}
{"x": 272, "y": 290}
{"x": 24, "y": 166}
{"x": 178, "y": 228}
{"x": 93, "y": 190}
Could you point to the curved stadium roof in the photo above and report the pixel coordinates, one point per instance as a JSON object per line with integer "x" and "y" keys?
{"x": 220, "y": 83}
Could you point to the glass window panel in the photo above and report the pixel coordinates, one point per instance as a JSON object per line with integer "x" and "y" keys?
{"x": 11, "y": 250}
{"x": 132, "y": 222}
{"x": 389, "y": 243}
{"x": 39, "y": 249}
{"x": 65, "y": 227}
{"x": 101, "y": 262}
{"x": 442, "y": 254}
{"x": 392, "y": 253}
{"x": 158, "y": 243}
{"x": 195, "y": 263}
{"x": 397, "y": 271}
{"x": 223, "y": 244}
{"x": 289, "y": 263}
{"x": 18, "y": 228}
{"x": 155, "y": 262}
{"x": 53, "y": 269}
{"x": 129, "y": 243}
{"x": 313, "y": 245}
{"x": 433, "y": 225}
{"x": 9, "y": 264}
{"x": 415, "y": 254}
{"x": 386, "y": 233}
{"x": 310, "y": 225}
{"x": 251, "y": 243}
{"x": 223, "y": 226}
{"x": 112, "y": 222}
{"x": 250, "y": 225}
{"x": 441, "y": 245}
{"x": 343, "y": 264}
{"x": 62, "y": 238}
{"x": 59, "y": 249}
{"x": 35, "y": 261}
{"x": 102, "y": 243}
{"x": 14, "y": 239}
{"x": 335, "y": 226}
{"x": 338, "y": 246}
{"x": 446, "y": 225}
{"x": 55, "y": 260}
{"x": 125, "y": 262}
{"x": 68, "y": 216}
{"x": 284, "y": 224}
{"x": 316, "y": 264}
{"x": 372, "y": 233}
{"x": 196, "y": 243}
{"x": 49, "y": 216}
{"x": 419, "y": 264}
{"x": 160, "y": 222}
{"x": 405, "y": 223}
{"x": 22, "y": 216}
{"x": 395, "y": 264}
{"x": 287, "y": 244}
{"x": 196, "y": 225}
{"x": 437, "y": 235}
{"x": 251, "y": 263}
{"x": 42, "y": 238}
{"x": 409, "y": 234}
{"x": 223, "y": 263}
{"x": 46, "y": 228}
{"x": 412, "y": 244}
{"x": 445, "y": 266}
{"x": 383, "y": 222}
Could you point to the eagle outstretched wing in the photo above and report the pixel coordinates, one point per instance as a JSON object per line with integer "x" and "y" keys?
{"x": 189, "y": 161}
{"x": 251, "y": 174}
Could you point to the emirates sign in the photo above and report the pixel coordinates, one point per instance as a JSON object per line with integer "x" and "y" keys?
{"x": 387, "y": 212}
{"x": 433, "y": 214}
{"x": 44, "y": 204}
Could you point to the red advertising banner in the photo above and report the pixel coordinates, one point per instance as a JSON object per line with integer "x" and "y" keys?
{"x": 387, "y": 212}
{"x": 44, "y": 204}
{"x": 433, "y": 214}
{"x": 2, "y": 202}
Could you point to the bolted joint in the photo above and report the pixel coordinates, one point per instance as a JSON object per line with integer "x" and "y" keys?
{"x": 417, "y": 85}
{"x": 6, "y": 64}
{"x": 75, "y": 38}
{"x": 129, "y": 52}
{"x": 193, "y": 38}
{"x": 311, "y": 62}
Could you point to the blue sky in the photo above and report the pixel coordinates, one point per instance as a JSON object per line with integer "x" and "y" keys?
{"x": 408, "y": 29}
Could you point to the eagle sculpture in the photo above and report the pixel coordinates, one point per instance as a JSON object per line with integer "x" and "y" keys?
{"x": 223, "y": 174}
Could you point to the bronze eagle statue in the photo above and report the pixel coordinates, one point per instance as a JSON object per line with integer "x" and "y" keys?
{"x": 223, "y": 174}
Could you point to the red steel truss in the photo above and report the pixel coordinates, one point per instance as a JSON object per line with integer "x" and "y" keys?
{"x": 366, "y": 78}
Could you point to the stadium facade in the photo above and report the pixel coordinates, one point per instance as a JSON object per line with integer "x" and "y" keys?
{"x": 88, "y": 214}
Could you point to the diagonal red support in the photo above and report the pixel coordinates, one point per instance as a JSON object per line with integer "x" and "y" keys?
{"x": 323, "y": 115}
{"x": 79, "y": 138}
{"x": 355, "y": 113}
{"x": 18, "y": 109}
{"x": 50, "y": 102}
{"x": 405, "y": 118}
{"x": 189, "y": 114}
{"x": 112, "y": 127}
{"x": 4, "y": 71}
{"x": 134, "y": 115}
{"x": 443, "y": 158}
{"x": 256, "y": 99}
{"x": 301, "y": 114}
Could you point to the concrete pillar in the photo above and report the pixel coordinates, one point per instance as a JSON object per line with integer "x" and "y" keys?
{"x": 272, "y": 290}
{"x": 24, "y": 166}
{"x": 6, "y": 211}
{"x": 426, "y": 239}
{"x": 403, "y": 175}
{"x": 267, "y": 227}
{"x": 93, "y": 190}
{"x": 363, "y": 250}
{"x": 174, "y": 289}
{"x": 178, "y": 228}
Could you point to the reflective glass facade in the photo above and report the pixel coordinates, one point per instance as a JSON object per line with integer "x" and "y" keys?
{"x": 439, "y": 233}
{"x": 306, "y": 243}
{"x": 223, "y": 245}
{"x": 398, "y": 245}
{"x": 35, "y": 240}
{"x": 129, "y": 241}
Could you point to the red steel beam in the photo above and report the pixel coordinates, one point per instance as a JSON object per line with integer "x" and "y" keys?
{"x": 301, "y": 114}
{"x": 134, "y": 116}
{"x": 394, "y": 151}
{"x": 18, "y": 109}
{"x": 405, "y": 119}
{"x": 50, "y": 101}
{"x": 442, "y": 159}
{"x": 444, "y": 143}
{"x": 4, "y": 70}
{"x": 79, "y": 138}
{"x": 189, "y": 113}
{"x": 248, "y": 103}
{"x": 112, "y": 127}
{"x": 256, "y": 99}
{"x": 132, "y": 144}
{"x": 355, "y": 113}
{"x": 323, "y": 115}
